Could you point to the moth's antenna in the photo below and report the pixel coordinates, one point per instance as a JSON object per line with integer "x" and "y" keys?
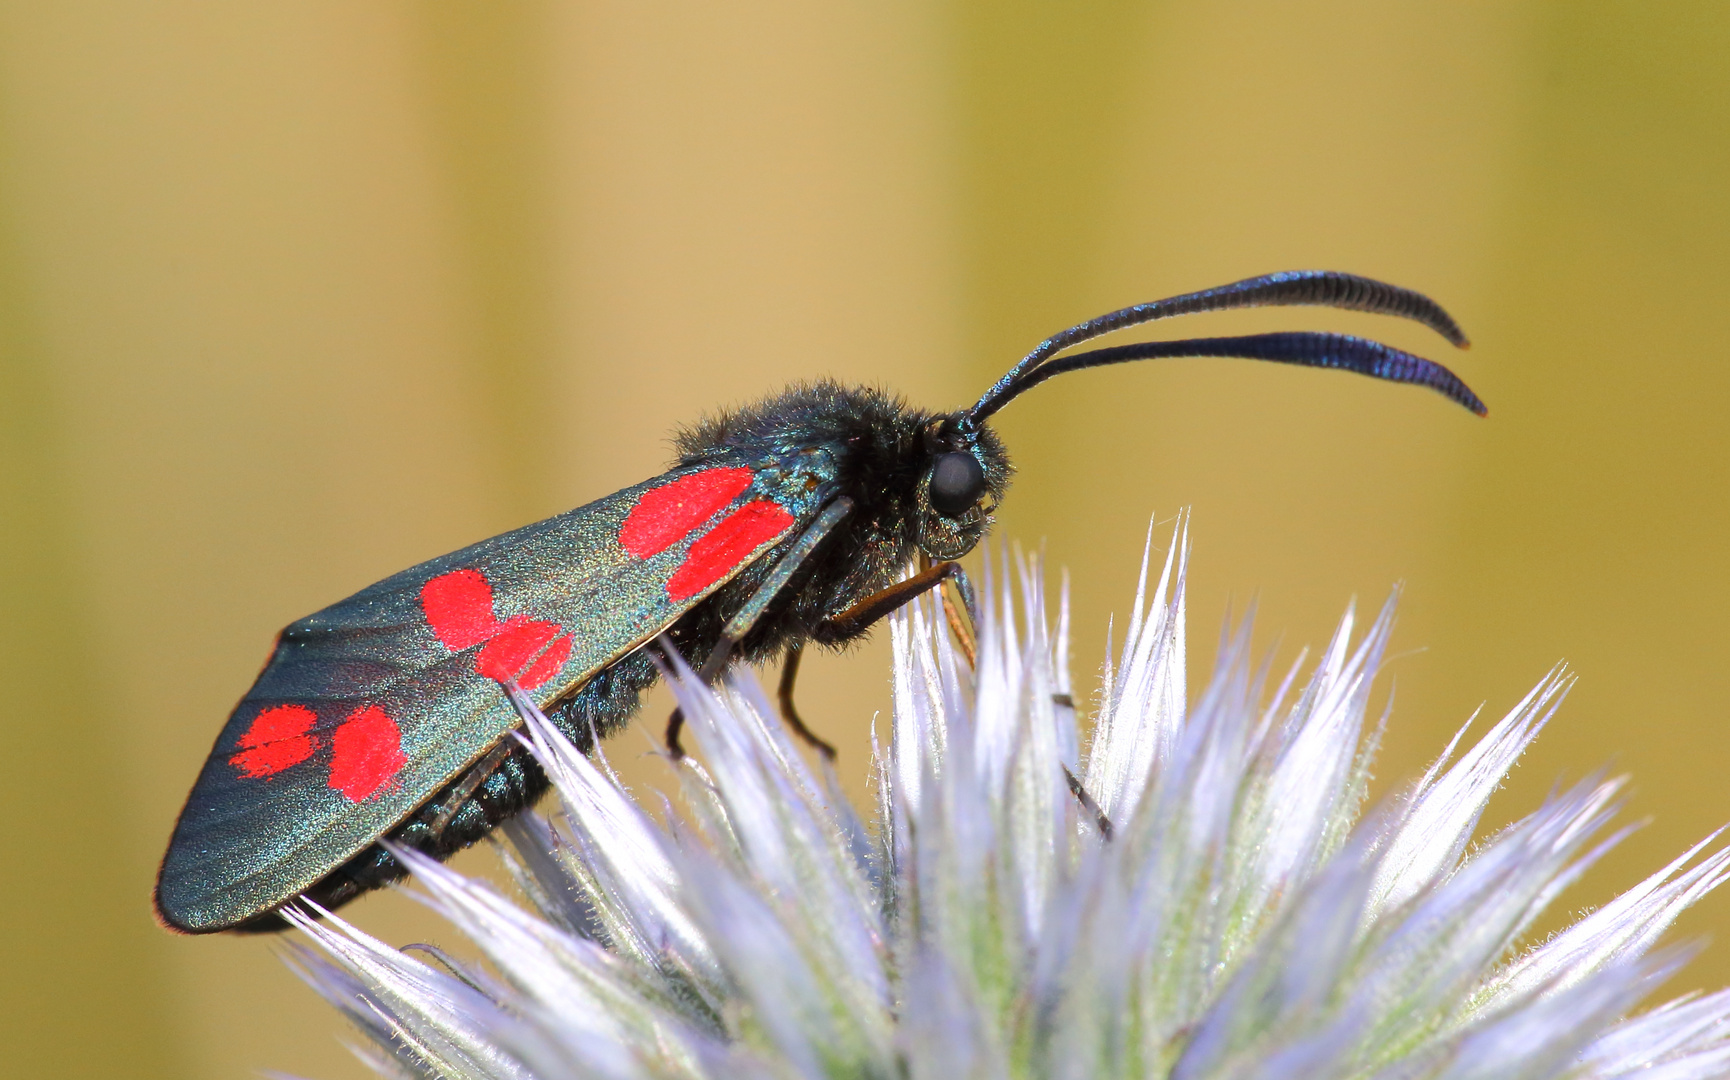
{"x": 1306, "y": 349}
{"x": 1324, "y": 288}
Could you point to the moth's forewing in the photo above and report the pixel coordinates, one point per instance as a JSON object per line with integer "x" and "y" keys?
{"x": 367, "y": 708}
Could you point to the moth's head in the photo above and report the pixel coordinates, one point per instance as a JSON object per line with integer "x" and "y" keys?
{"x": 966, "y": 471}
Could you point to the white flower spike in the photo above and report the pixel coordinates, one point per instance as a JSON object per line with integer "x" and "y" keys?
{"x": 1243, "y": 921}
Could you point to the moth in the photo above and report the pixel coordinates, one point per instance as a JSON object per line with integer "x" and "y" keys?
{"x": 789, "y": 523}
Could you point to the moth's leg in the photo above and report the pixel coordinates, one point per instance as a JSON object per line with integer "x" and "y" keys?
{"x": 852, "y": 621}
{"x": 856, "y": 619}
{"x": 675, "y": 723}
{"x": 861, "y": 615}
{"x": 964, "y": 632}
{"x": 471, "y": 782}
{"x": 746, "y": 617}
{"x": 1100, "y": 820}
{"x": 969, "y": 599}
{"x": 789, "y": 672}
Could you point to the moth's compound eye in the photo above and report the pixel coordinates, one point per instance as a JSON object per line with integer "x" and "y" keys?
{"x": 957, "y": 482}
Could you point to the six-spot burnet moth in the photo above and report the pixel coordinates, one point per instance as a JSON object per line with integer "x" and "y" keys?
{"x": 387, "y": 716}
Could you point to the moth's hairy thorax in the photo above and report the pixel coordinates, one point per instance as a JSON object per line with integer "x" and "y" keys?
{"x": 873, "y": 451}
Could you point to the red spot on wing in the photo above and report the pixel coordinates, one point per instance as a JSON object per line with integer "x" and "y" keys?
{"x": 276, "y": 739}
{"x": 727, "y": 545}
{"x": 548, "y": 663}
{"x": 511, "y": 650}
{"x": 459, "y": 608}
{"x": 665, "y": 515}
{"x": 366, "y": 752}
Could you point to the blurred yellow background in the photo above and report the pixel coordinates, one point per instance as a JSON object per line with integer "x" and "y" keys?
{"x": 293, "y": 296}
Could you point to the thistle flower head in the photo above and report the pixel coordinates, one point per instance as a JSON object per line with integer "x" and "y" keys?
{"x": 1245, "y": 919}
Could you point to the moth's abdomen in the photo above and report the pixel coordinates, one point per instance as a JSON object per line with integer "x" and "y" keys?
{"x": 605, "y": 704}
